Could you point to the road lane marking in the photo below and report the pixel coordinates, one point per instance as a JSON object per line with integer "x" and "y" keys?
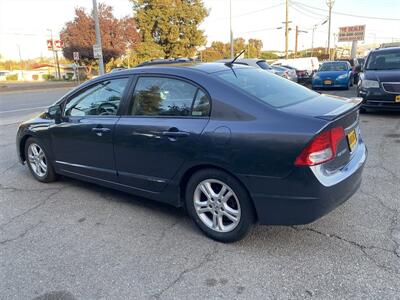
{"x": 22, "y": 109}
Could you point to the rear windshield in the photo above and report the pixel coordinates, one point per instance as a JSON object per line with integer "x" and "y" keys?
{"x": 387, "y": 60}
{"x": 263, "y": 65}
{"x": 271, "y": 89}
{"x": 334, "y": 66}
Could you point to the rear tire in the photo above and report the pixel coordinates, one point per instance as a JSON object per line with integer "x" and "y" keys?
{"x": 38, "y": 162}
{"x": 219, "y": 205}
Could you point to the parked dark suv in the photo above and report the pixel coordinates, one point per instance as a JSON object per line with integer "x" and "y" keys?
{"x": 379, "y": 84}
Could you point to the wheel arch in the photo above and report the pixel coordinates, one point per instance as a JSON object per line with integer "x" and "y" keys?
{"x": 193, "y": 169}
{"x": 22, "y": 144}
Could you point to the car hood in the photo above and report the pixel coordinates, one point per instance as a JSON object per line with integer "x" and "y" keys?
{"x": 383, "y": 75}
{"x": 327, "y": 107}
{"x": 330, "y": 74}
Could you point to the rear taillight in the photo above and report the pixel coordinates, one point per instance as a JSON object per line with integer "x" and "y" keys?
{"x": 286, "y": 74}
{"x": 321, "y": 149}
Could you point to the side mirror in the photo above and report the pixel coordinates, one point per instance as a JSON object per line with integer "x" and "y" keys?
{"x": 54, "y": 112}
{"x": 358, "y": 69}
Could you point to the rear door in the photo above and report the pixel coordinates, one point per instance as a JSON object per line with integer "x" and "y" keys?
{"x": 83, "y": 141}
{"x": 160, "y": 131}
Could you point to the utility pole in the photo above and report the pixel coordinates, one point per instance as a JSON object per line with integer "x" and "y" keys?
{"x": 55, "y": 56}
{"x": 287, "y": 30}
{"x": 98, "y": 36}
{"x": 230, "y": 26}
{"x": 330, "y": 5}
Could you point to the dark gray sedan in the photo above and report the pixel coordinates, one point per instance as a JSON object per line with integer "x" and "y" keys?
{"x": 232, "y": 144}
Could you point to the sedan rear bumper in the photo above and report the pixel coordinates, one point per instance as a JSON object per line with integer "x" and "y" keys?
{"x": 301, "y": 197}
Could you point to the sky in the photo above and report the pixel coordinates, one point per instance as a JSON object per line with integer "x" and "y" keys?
{"x": 25, "y": 24}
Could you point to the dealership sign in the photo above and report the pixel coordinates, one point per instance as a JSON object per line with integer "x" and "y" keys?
{"x": 351, "y": 33}
{"x": 55, "y": 45}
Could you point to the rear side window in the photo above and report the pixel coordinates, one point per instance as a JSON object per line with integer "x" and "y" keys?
{"x": 158, "y": 96}
{"x": 271, "y": 89}
{"x": 201, "y": 105}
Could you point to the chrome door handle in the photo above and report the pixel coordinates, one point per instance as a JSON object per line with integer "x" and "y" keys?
{"x": 175, "y": 134}
{"x": 101, "y": 129}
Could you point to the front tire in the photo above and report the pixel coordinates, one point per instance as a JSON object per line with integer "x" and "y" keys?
{"x": 219, "y": 205}
{"x": 38, "y": 162}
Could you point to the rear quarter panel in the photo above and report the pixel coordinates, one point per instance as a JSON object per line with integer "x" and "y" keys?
{"x": 248, "y": 137}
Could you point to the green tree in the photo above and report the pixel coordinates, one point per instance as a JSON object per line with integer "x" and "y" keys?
{"x": 254, "y": 47}
{"x": 217, "y": 50}
{"x": 169, "y": 28}
{"x": 268, "y": 55}
{"x": 238, "y": 45}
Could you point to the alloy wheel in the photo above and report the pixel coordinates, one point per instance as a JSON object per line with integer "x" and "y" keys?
{"x": 217, "y": 205}
{"x": 37, "y": 160}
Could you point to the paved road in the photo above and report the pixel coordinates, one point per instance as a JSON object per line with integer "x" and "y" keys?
{"x": 73, "y": 240}
{"x": 15, "y": 106}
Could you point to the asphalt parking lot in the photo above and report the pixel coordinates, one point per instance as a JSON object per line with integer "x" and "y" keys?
{"x": 74, "y": 240}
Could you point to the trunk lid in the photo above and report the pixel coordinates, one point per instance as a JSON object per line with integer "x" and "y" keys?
{"x": 327, "y": 107}
{"x": 337, "y": 112}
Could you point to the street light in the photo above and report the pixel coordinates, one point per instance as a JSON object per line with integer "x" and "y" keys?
{"x": 297, "y": 38}
{"x": 313, "y": 31}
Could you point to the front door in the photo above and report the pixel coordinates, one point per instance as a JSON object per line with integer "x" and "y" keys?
{"x": 83, "y": 141}
{"x": 159, "y": 132}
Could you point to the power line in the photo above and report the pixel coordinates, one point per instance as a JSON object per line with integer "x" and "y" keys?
{"x": 346, "y": 14}
{"x": 259, "y": 30}
{"x": 248, "y": 13}
{"x": 304, "y": 12}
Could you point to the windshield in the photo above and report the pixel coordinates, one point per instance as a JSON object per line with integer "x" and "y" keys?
{"x": 263, "y": 65}
{"x": 386, "y": 60}
{"x": 333, "y": 66}
{"x": 271, "y": 89}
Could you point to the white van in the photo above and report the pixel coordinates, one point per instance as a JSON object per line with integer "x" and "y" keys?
{"x": 305, "y": 67}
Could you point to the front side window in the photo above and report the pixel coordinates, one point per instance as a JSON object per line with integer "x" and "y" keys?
{"x": 158, "y": 96}
{"x": 101, "y": 99}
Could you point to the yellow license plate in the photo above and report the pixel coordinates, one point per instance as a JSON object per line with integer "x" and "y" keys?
{"x": 397, "y": 99}
{"x": 328, "y": 82}
{"x": 352, "y": 139}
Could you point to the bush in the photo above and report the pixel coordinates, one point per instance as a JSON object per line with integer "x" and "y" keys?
{"x": 12, "y": 77}
{"x": 48, "y": 77}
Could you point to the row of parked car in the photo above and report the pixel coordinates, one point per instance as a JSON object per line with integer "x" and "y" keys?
{"x": 377, "y": 76}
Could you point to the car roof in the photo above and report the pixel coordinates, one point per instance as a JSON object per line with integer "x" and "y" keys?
{"x": 389, "y": 49}
{"x": 191, "y": 67}
{"x": 335, "y": 62}
{"x": 241, "y": 60}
